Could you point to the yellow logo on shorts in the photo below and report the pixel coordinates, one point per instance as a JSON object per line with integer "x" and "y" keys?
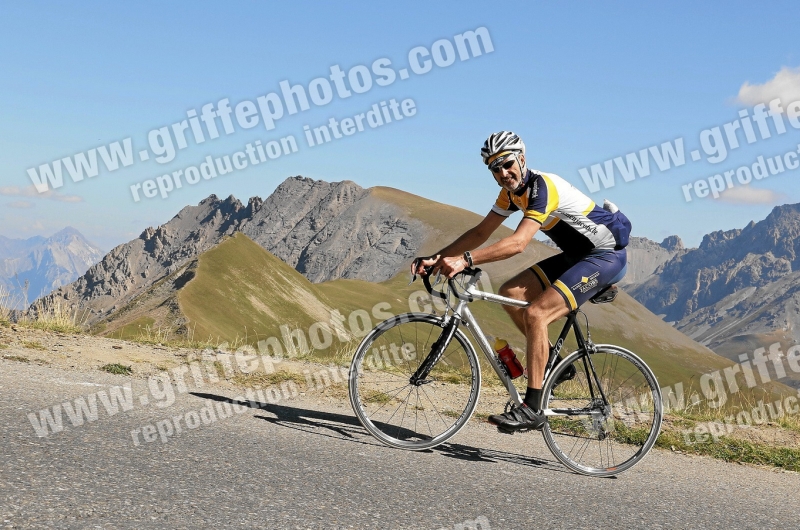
{"x": 586, "y": 283}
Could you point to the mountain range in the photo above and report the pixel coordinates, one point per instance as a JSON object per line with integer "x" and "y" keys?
{"x": 323, "y": 230}
{"x": 739, "y": 290}
{"x": 30, "y": 268}
{"x": 735, "y": 292}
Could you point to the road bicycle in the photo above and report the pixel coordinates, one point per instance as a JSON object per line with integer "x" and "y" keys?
{"x": 415, "y": 380}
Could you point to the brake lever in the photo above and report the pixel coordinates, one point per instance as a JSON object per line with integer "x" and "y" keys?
{"x": 413, "y": 273}
{"x": 427, "y": 269}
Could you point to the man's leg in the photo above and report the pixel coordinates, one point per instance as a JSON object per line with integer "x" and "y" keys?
{"x": 531, "y": 283}
{"x": 546, "y": 309}
{"x": 572, "y": 289}
{"x": 524, "y": 286}
{"x": 575, "y": 286}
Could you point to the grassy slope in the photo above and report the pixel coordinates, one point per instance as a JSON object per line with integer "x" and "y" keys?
{"x": 133, "y": 329}
{"x": 241, "y": 290}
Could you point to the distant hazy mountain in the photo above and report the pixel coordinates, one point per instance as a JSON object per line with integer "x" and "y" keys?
{"x": 740, "y": 289}
{"x": 44, "y": 263}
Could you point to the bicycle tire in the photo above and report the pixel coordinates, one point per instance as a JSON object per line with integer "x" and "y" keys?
{"x": 597, "y": 440}
{"x": 398, "y": 413}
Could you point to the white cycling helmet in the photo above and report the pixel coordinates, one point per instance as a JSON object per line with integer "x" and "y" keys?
{"x": 499, "y": 146}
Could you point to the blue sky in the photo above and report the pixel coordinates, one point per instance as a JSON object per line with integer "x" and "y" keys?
{"x": 581, "y": 83}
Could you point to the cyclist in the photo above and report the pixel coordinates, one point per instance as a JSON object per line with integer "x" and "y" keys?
{"x": 592, "y": 240}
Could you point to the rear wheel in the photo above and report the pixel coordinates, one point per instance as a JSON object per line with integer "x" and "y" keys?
{"x": 396, "y": 411}
{"x": 600, "y": 437}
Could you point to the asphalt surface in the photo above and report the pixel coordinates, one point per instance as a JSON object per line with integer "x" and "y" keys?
{"x": 301, "y": 464}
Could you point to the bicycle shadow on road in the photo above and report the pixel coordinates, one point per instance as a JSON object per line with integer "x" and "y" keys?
{"x": 347, "y": 428}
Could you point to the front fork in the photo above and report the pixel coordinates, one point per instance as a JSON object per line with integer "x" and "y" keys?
{"x": 437, "y": 350}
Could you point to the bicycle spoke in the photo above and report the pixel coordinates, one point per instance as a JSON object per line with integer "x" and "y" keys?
{"x": 401, "y": 404}
{"x": 403, "y": 417}
{"x": 390, "y": 399}
{"x": 436, "y": 410}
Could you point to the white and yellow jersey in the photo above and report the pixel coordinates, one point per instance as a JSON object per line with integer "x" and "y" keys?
{"x": 571, "y": 219}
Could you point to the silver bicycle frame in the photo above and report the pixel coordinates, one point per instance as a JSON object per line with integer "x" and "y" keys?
{"x": 462, "y": 311}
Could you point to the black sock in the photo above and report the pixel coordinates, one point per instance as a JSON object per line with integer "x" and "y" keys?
{"x": 532, "y": 397}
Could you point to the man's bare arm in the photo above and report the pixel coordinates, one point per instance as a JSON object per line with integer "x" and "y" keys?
{"x": 474, "y": 237}
{"x": 503, "y": 249}
{"x": 469, "y": 240}
{"x": 508, "y": 246}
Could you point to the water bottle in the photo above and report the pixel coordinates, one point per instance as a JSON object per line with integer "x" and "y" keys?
{"x": 507, "y": 357}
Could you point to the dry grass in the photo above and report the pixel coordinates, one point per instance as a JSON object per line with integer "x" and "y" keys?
{"x": 744, "y": 400}
{"x": 157, "y": 335}
{"x": 375, "y": 396}
{"x": 165, "y": 336}
{"x": 18, "y": 358}
{"x": 33, "y": 345}
{"x": 169, "y": 337}
{"x": 54, "y": 317}
{"x": 6, "y": 303}
{"x": 727, "y": 448}
{"x": 340, "y": 355}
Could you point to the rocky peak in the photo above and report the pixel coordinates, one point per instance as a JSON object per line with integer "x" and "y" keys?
{"x": 253, "y": 205}
{"x": 66, "y": 234}
{"x": 672, "y": 243}
{"x": 786, "y": 212}
{"x": 718, "y": 238}
{"x": 645, "y": 256}
{"x": 231, "y": 204}
{"x": 147, "y": 233}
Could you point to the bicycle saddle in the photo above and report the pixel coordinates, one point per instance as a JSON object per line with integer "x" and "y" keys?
{"x": 608, "y": 294}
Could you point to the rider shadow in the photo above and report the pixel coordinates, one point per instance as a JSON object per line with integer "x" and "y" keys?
{"x": 348, "y": 428}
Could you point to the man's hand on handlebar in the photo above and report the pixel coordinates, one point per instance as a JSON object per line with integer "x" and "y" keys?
{"x": 419, "y": 266}
{"x": 451, "y": 266}
{"x": 447, "y": 266}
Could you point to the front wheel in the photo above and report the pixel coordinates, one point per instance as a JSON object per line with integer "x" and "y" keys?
{"x": 399, "y": 412}
{"x": 607, "y": 417}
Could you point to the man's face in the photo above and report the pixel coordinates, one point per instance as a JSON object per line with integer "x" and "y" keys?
{"x": 508, "y": 173}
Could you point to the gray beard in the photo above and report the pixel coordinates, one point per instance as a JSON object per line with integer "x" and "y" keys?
{"x": 521, "y": 181}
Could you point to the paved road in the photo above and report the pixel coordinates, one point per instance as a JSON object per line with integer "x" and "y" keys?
{"x": 300, "y": 464}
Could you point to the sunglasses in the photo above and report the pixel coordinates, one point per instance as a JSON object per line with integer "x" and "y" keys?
{"x": 495, "y": 168}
